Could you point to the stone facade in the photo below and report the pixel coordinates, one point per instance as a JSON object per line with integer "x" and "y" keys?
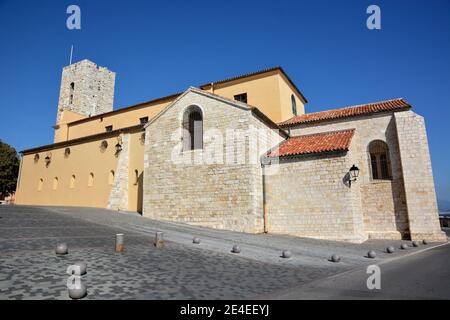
{"x": 232, "y": 182}
{"x": 118, "y": 198}
{"x": 220, "y": 194}
{"x": 86, "y": 89}
{"x": 418, "y": 178}
{"x": 308, "y": 197}
{"x": 383, "y": 203}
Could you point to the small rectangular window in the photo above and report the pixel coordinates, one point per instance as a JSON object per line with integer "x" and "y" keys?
{"x": 241, "y": 97}
{"x": 109, "y": 128}
{"x": 143, "y": 120}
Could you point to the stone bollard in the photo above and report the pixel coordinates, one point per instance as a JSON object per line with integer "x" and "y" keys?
{"x": 371, "y": 254}
{"x": 62, "y": 249}
{"x": 159, "y": 241}
{"x": 119, "y": 242}
{"x": 390, "y": 249}
{"x": 78, "y": 292}
{"x": 83, "y": 267}
{"x": 404, "y": 246}
{"x": 335, "y": 258}
{"x": 415, "y": 243}
{"x": 286, "y": 254}
{"x": 424, "y": 241}
{"x": 236, "y": 249}
{"x": 196, "y": 240}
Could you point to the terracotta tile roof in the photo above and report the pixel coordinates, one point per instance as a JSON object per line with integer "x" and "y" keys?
{"x": 370, "y": 108}
{"x": 314, "y": 143}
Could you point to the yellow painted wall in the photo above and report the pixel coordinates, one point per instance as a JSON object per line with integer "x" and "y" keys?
{"x": 270, "y": 92}
{"x": 83, "y": 159}
{"x": 286, "y": 91}
{"x": 61, "y": 129}
{"x": 117, "y": 120}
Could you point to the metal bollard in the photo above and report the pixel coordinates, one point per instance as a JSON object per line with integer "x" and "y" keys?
{"x": 119, "y": 242}
{"x": 159, "y": 241}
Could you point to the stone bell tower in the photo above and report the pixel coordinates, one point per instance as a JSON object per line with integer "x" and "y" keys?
{"x": 86, "y": 89}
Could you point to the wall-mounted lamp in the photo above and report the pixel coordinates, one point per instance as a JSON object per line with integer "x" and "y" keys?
{"x": 118, "y": 148}
{"x": 354, "y": 173}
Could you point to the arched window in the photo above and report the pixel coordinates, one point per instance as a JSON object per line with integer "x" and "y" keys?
{"x": 111, "y": 177}
{"x": 40, "y": 184}
{"x": 72, "y": 88}
{"x": 72, "y": 181}
{"x": 55, "y": 183}
{"x": 379, "y": 160}
{"x": 136, "y": 177}
{"x": 192, "y": 128}
{"x": 294, "y": 105}
{"x": 91, "y": 180}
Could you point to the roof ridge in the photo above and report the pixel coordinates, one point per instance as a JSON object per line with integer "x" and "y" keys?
{"x": 357, "y": 105}
{"x": 348, "y": 111}
{"x": 249, "y": 74}
{"x": 324, "y": 133}
{"x": 362, "y": 105}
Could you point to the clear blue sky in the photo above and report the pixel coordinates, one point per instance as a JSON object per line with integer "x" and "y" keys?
{"x": 162, "y": 47}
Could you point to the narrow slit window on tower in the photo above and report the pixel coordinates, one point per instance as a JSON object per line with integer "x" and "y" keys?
{"x": 242, "y": 97}
{"x": 109, "y": 128}
{"x": 72, "y": 88}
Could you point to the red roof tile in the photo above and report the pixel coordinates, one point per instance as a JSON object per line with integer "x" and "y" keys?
{"x": 314, "y": 143}
{"x": 388, "y": 105}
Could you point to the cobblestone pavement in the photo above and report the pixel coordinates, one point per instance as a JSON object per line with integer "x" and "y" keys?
{"x": 29, "y": 268}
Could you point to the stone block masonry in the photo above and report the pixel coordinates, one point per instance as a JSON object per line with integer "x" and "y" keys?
{"x": 86, "y": 89}
{"x": 118, "y": 198}
{"x": 307, "y": 197}
{"x": 219, "y": 195}
{"x": 418, "y": 178}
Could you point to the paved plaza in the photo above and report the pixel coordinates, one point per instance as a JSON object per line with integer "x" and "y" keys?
{"x": 29, "y": 268}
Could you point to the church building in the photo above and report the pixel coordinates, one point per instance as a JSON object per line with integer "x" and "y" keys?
{"x": 238, "y": 154}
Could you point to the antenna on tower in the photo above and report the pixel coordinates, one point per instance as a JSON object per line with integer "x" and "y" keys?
{"x": 71, "y": 53}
